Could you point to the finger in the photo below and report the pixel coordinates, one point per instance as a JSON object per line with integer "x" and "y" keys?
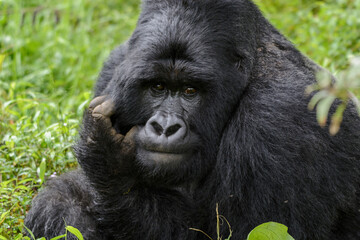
{"x": 103, "y": 120}
{"x": 118, "y": 138}
{"x": 107, "y": 109}
{"x": 128, "y": 143}
{"x": 130, "y": 135}
{"x": 97, "y": 101}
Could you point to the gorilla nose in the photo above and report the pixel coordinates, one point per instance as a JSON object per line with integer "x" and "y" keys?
{"x": 165, "y": 124}
{"x": 172, "y": 129}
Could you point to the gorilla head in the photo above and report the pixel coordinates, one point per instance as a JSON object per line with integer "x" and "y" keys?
{"x": 180, "y": 82}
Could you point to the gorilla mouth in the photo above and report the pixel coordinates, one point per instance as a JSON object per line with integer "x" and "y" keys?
{"x": 165, "y": 140}
{"x": 165, "y": 148}
{"x": 152, "y": 156}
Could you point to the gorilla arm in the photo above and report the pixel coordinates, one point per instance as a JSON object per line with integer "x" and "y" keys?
{"x": 108, "y": 160}
{"x": 70, "y": 199}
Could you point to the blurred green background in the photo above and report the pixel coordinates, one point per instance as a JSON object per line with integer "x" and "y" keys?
{"x": 51, "y": 52}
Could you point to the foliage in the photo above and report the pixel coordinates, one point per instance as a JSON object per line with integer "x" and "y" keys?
{"x": 324, "y": 30}
{"x": 52, "y": 50}
{"x": 265, "y": 231}
{"x": 70, "y": 229}
{"x": 220, "y": 219}
{"x": 270, "y": 231}
{"x": 345, "y": 88}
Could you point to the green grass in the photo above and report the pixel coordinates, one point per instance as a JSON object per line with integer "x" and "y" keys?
{"x": 327, "y": 30}
{"x": 52, "y": 50}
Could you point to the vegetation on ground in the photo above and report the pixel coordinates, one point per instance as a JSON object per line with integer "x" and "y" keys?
{"x": 52, "y": 50}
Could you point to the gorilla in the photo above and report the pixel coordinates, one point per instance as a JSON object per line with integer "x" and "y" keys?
{"x": 205, "y": 105}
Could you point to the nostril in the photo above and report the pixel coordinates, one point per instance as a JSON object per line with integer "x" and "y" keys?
{"x": 157, "y": 128}
{"x": 172, "y": 130}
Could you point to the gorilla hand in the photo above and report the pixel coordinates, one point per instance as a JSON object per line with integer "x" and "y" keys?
{"x": 104, "y": 154}
{"x": 101, "y": 109}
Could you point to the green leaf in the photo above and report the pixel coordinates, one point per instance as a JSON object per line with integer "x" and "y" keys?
{"x": 316, "y": 98}
{"x": 322, "y": 109}
{"x": 30, "y": 232}
{"x": 20, "y": 236}
{"x": 75, "y": 231}
{"x": 356, "y": 101}
{"x": 3, "y": 238}
{"x": 337, "y": 118}
{"x": 324, "y": 79}
{"x": 3, "y": 216}
{"x": 2, "y": 58}
{"x": 58, "y": 237}
{"x": 270, "y": 231}
{"x": 42, "y": 171}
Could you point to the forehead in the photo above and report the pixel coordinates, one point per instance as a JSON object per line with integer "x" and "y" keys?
{"x": 182, "y": 32}
{"x": 178, "y": 72}
{"x": 179, "y": 43}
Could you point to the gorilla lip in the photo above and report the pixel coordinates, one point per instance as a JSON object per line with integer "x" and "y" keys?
{"x": 166, "y": 149}
{"x": 160, "y": 156}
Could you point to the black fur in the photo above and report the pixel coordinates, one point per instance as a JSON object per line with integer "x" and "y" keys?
{"x": 260, "y": 154}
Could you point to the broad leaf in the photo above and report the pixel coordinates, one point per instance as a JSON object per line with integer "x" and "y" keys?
{"x": 270, "y": 231}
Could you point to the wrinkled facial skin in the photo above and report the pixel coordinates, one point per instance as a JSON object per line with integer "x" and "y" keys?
{"x": 166, "y": 138}
{"x": 167, "y": 113}
{"x": 172, "y": 109}
{"x": 178, "y": 117}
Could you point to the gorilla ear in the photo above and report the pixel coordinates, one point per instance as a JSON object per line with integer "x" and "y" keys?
{"x": 243, "y": 62}
{"x": 240, "y": 63}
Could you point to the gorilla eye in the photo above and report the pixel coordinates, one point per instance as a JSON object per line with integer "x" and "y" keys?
{"x": 159, "y": 87}
{"x": 190, "y": 91}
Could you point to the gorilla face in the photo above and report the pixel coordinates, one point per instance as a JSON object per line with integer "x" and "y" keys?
{"x": 166, "y": 139}
{"x": 168, "y": 109}
{"x": 180, "y": 110}
{"x": 180, "y": 90}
